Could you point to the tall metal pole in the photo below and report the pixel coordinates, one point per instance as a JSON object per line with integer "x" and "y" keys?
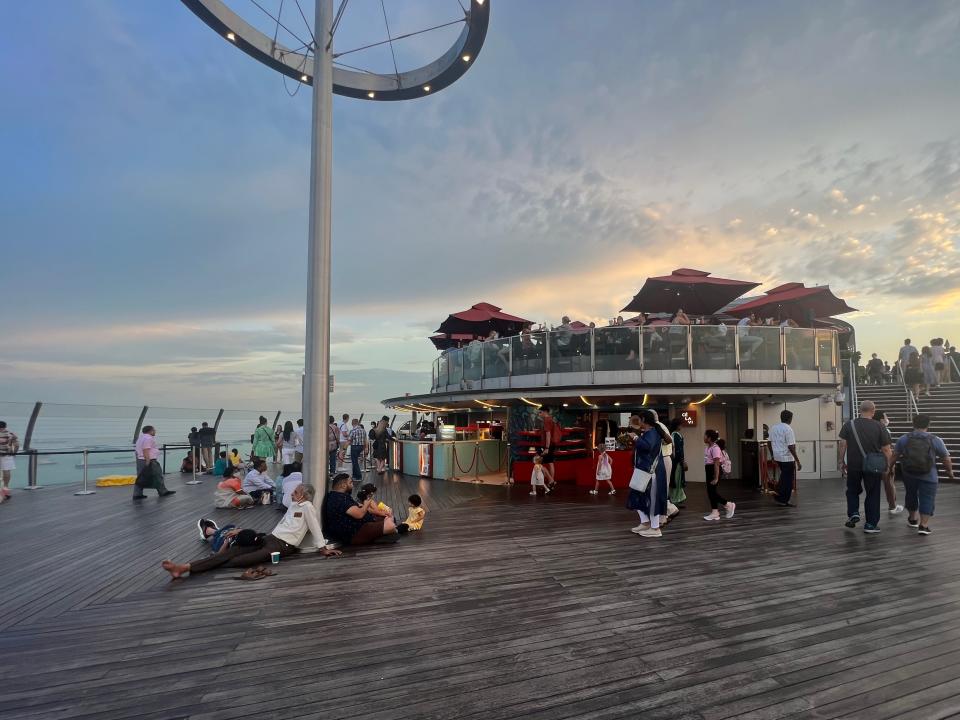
{"x": 317, "y": 356}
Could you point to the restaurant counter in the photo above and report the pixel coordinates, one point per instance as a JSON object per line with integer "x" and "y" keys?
{"x": 445, "y": 459}
{"x": 582, "y": 470}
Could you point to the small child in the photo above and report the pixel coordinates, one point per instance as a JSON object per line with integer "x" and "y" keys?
{"x": 221, "y": 464}
{"x": 536, "y": 476}
{"x": 604, "y": 472}
{"x": 365, "y": 496}
{"x": 415, "y": 513}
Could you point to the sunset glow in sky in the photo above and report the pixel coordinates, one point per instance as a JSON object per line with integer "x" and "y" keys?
{"x": 153, "y": 199}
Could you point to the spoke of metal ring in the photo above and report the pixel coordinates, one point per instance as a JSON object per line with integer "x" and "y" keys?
{"x": 396, "y": 70}
{"x": 337, "y": 17}
{"x": 269, "y": 15}
{"x": 276, "y": 30}
{"x": 305, "y": 22}
{"x": 399, "y": 37}
{"x": 353, "y": 67}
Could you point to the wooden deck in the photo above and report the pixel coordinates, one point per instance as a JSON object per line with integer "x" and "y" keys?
{"x": 503, "y": 607}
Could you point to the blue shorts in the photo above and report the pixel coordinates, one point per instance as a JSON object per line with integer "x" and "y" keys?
{"x": 920, "y": 494}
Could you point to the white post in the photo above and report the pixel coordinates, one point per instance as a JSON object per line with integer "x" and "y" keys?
{"x": 317, "y": 355}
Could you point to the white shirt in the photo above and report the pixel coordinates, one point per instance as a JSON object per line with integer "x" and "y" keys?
{"x": 344, "y": 432}
{"x": 290, "y": 483}
{"x": 667, "y": 449}
{"x": 299, "y": 518}
{"x": 905, "y": 352}
{"x": 299, "y": 445}
{"x": 781, "y": 438}
{"x": 257, "y": 481}
{"x": 146, "y": 447}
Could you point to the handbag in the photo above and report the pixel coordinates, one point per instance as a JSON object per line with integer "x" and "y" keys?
{"x": 874, "y": 463}
{"x": 640, "y": 479}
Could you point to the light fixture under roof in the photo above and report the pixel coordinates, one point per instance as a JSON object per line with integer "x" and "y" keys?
{"x": 231, "y": 37}
{"x": 303, "y": 78}
{"x": 465, "y": 58}
{"x": 426, "y": 88}
{"x": 371, "y": 94}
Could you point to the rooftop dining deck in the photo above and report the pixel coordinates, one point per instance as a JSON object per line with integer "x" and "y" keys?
{"x": 504, "y": 606}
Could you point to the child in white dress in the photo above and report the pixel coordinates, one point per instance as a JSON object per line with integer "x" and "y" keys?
{"x": 536, "y": 477}
{"x": 604, "y": 473}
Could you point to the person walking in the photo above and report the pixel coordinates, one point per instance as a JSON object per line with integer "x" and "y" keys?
{"x": 149, "y": 472}
{"x": 651, "y": 502}
{"x": 298, "y": 453}
{"x": 907, "y": 350}
{"x": 783, "y": 443}
{"x": 865, "y": 453}
{"x": 678, "y": 480}
{"x": 874, "y": 370}
{"x": 381, "y": 447}
{"x": 713, "y": 472}
{"x": 930, "y": 377}
{"x": 889, "y": 486}
{"x": 333, "y": 445}
{"x": 549, "y": 439}
{"x": 358, "y": 445}
{"x": 263, "y": 442}
{"x": 344, "y": 439}
{"x": 917, "y": 452}
{"x": 193, "y": 439}
{"x": 9, "y": 445}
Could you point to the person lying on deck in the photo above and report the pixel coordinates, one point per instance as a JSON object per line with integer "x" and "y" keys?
{"x": 285, "y": 539}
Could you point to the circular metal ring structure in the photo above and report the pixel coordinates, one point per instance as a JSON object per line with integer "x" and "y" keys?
{"x": 298, "y": 65}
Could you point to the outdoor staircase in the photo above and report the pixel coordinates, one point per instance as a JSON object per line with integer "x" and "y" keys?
{"x": 943, "y": 408}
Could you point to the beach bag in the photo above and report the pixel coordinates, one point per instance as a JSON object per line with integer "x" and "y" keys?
{"x": 916, "y": 456}
{"x": 873, "y": 463}
{"x": 640, "y": 480}
{"x": 604, "y": 468}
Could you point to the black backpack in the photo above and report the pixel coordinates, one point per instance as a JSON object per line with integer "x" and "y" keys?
{"x": 917, "y": 458}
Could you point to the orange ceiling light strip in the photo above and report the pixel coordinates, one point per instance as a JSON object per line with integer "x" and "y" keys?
{"x": 644, "y": 403}
{"x": 703, "y": 400}
{"x": 528, "y": 402}
{"x": 488, "y": 406}
{"x": 587, "y": 402}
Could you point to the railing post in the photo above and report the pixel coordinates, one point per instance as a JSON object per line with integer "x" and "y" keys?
{"x": 194, "y": 481}
{"x": 640, "y": 356}
{"x": 593, "y": 354}
{"x": 163, "y": 467}
{"x": 736, "y": 354}
{"x": 689, "y": 350}
{"x": 85, "y": 491}
{"x": 28, "y": 435}
{"x": 783, "y": 351}
{"x": 510, "y": 366}
{"x": 483, "y": 362}
{"x": 32, "y": 482}
{"x": 546, "y": 354}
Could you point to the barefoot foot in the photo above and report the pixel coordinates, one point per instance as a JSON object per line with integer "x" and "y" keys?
{"x": 175, "y": 570}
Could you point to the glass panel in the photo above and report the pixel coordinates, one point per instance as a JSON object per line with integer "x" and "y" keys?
{"x": 617, "y": 348}
{"x": 472, "y": 361}
{"x": 442, "y": 369}
{"x": 529, "y": 354}
{"x": 569, "y": 351}
{"x": 759, "y": 348}
{"x": 800, "y": 347}
{"x": 665, "y": 347}
{"x": 496, "y": 358}
{"x": 455, "y": 367}
{"x": 825, "y": 349}
{"x": 713, "y": 347}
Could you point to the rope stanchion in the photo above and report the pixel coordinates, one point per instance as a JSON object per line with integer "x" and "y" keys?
{"x": 456, "y": 463}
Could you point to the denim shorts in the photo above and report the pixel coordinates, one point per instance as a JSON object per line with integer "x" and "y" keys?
{"x": 919, "y": 494}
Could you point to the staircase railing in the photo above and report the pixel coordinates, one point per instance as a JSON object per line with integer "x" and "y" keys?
{"x": 912, "y": 407}
{"x": 954, "y": 363}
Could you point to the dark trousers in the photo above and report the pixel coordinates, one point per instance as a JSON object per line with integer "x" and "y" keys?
{"x": 332, "y": 462}
{"x": 713, "y": 490}
{"x": 788, "y": 474}
{"x": 258, "y": 494}
{"x": 142, "y": 480}
{"x": 858, "y": 481}
{"x": 356, "y": 452}
{"x": 238, "y": 556}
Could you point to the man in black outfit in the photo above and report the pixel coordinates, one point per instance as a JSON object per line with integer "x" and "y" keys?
{"x": 859, "y": 438}
{"x": 207, "y": 437}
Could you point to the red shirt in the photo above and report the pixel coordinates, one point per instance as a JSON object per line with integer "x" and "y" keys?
{"x": 549, "y": 438}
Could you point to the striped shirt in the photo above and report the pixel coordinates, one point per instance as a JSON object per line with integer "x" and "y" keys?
{"x": 8, "y": 442}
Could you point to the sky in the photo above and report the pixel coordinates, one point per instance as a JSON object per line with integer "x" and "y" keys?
{"x": 153, "y": 199}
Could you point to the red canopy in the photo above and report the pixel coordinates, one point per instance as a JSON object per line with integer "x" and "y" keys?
{"x": 694, "y": 291}
{"x": 795, "y": 301}
{"x": 445, "y": 342}
{"x": 480, "y": 319}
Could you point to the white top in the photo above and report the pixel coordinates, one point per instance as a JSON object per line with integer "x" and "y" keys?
{"x": 905, "y": 352}
{"x": 666, "y": 450}
{"x": 344, "y": 432}
{"x": 290, "y": 482}
{"x": 290, "y": 444}
{"x": 299, "y": 518}
{"x": 781, "y": 438}
{"x": 146, "y": 447}
{"x": 257, "y": 481}
{"x": 743, "y": 322}
{"x": 721, "y": 329}
{"x": 299, "y": 432}
{"x": 938, "y": 353}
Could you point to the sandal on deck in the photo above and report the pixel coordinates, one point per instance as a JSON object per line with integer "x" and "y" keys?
{"x": 255, "y": 573}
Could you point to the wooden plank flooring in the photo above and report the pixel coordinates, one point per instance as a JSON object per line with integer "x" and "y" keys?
{"x": 504, "y": 606}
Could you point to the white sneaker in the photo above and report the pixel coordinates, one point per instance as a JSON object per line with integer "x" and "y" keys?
{"x": 533, "y": 493}
{"x": 639, "y": 529}
{"x": 731, "y": 508}
{"x": 546, "y": 491}
{"x": 711, "y": 517}
{"x": 897, "y": 510}
{"x": 612, "y": 492}
{"x": 672, "y": 509}
{"x": 593, "y": 492}
{"x": 650, "y": 532}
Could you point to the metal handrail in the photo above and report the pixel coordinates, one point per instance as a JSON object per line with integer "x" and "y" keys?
{"x": 912, "y": 407}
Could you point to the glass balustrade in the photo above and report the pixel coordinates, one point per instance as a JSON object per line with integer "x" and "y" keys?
{"x": 569, "y": 351}
{"x": 800, "y": 349}
{"x": 665, "y": 347}
{"x": 759, "y": 348}
{"x": 826, "y": 350}
{"x": 496, "y": 359}
{"x": 455, "y": 367}
{"x": 616, "y": 348}
{"x": 529, "y": 354}
{"x": 714, "y": 347}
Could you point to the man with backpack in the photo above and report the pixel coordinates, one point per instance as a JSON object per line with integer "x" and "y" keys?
{"x": 917, "y": 452}
{"x": 865, "y": 455}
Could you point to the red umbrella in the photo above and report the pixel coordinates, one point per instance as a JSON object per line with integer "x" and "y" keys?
{"x": 694, "y": 291}
{"x": 445, "y": 342}
{"x": 795, "y": 301}
{"x": 480, "y": 319}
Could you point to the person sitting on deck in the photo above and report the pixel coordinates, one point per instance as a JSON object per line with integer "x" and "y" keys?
{"x": 292, "y": 476}
{"x": 415, "y": 515}
{"x": 186, "y": 465}
{"x": 257, "y": 483}
{"x": 285, "y": 539}
{"x": 220, "y": 466}
{"x": 349, "y": 521}
{"x": 229, "y": 492}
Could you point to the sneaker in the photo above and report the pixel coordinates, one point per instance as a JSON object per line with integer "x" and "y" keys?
{"x": 650, "y": 532}
{"x": 852, "y": 521}
{"x": 913, "y": 523}
{"x": 924, "y": 530}
{"x": 593, "y": 492}
{"x": 711, "y": 517}
{"x": 785, "y": 504}
{"x": 612, "y": 492}
{"x": 671, "y": 509}
{"x": 203, "y": 524}
{"x": 871, "y": 529}
{"x": 731, "y": 508}
{"x": 640, "y": 529}
{"x": 533, "y": 493}
{"x": 896, "y": 510}
{"x": 546, "y": 490}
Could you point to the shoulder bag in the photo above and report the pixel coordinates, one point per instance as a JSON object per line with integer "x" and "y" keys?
{"x": 874, "y": 463}
{"x": 640, "y": 480}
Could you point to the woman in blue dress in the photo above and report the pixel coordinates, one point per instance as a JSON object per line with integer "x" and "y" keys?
{"x": 652, "y": 502}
